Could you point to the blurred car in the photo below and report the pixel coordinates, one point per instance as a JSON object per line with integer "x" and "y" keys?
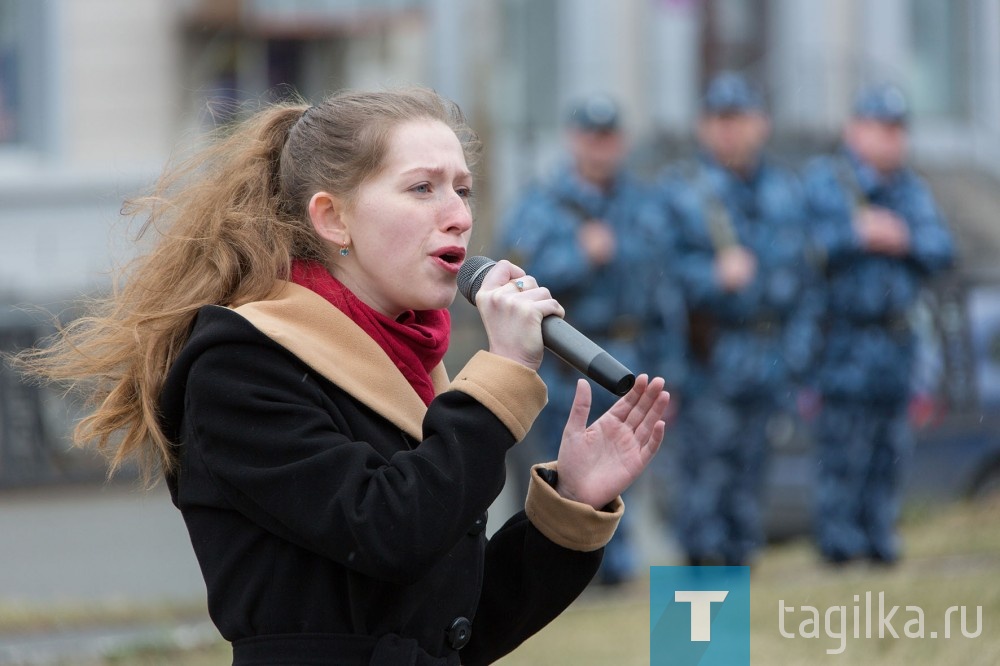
{"x": 36, "y": 421}
{"x": 955, "y": 410}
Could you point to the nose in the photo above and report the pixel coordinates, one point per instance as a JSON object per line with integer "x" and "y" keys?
{"x": 457, "y": 216}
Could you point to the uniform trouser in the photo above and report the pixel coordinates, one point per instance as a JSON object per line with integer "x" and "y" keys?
{"x": 862, "y": 449}
{"x": 722, "y": 451}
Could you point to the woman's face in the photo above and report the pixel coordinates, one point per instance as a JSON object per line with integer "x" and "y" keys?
{"x": 409, "y": 225}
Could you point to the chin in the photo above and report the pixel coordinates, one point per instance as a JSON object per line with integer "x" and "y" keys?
{"x": 438, "y": 300}
{"x": 447, "y": 300}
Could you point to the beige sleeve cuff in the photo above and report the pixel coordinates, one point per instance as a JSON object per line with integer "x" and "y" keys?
{"x": 570, "y": 524}
{"x": 515, "y": 393}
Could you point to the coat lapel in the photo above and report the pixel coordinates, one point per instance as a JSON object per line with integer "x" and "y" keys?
{"x": 329, "y": 342}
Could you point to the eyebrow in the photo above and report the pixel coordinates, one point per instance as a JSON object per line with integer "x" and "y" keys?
{"x": 435, "y": 170}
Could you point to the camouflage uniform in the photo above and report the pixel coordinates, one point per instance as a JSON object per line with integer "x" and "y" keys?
{"x": 747, "y": 347}
{"x": 624, "y": 306}
{"x": 865, "y": 372}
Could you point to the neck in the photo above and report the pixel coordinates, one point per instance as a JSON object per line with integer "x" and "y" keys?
{"x": 356, "y": 287}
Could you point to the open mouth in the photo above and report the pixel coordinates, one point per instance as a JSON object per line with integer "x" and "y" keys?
{"x": 453, "y": 256}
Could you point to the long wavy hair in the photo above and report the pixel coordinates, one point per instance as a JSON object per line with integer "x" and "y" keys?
{"x": 226, "y": 224}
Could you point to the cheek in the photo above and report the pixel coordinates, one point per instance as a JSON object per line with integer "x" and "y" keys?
{"x": 384, "y": 224}
{"x": 898, "y": 143}
{"x": 735, "y": 137}
{"x": 401, "y": 243}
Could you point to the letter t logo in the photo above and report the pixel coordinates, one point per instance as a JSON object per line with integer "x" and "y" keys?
{"x": 701, "y": 610}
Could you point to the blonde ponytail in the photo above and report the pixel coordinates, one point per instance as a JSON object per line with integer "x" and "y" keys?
{"x": 228, "y": 223}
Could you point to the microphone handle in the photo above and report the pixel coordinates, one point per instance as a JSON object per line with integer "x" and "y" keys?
{"x": 582, "y": 353}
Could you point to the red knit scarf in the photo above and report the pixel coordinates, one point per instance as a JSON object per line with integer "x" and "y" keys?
{"x": 416, "y": 341}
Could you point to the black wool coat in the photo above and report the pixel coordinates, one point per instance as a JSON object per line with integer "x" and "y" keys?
{"x": 337, "y": 519}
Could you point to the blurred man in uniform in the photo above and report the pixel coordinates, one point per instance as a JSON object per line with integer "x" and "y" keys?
{"x": 741, "y": 246}
{"x": 881, "y": 236}
{"x": 595, "y": 236}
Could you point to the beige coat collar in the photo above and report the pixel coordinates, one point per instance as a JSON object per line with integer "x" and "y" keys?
{"x": 329, "y": 342}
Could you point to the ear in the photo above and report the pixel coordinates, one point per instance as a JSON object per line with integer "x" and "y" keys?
{"x": 325, "y": 213}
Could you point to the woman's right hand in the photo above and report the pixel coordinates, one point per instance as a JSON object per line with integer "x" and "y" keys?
{"x": 512, "y": 315}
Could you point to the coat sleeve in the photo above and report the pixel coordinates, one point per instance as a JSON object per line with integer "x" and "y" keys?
{"x": 264, "y": 430}
{"x": 536, "y": 565}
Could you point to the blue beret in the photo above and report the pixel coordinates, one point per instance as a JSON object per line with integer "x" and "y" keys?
{"x": 596, "y": 113}
{"x": 730, "y": 92}
{"x": 884, "y": 102}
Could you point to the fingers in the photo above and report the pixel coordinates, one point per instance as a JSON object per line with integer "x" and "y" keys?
{"x": 505, "y": 273}
{"x": 525, "y": 283}
{"x": 632, "y": 405}
{"x": 651, "y": 428}
{"x": 539, "y": 298}
{"x": 519, "y": 290}
{"x": 512, "y": 307}
{"x": 646, "y": 404}
{"x": 627, "y": 402}
{"x": 580, "y": 411}
{"x": 501, "y": 273}
{"x": 507, "y": 278}
{"x": 653, "y": 445}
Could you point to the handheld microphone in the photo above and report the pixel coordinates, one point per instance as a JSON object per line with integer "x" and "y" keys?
{"x": 559, "y": 337}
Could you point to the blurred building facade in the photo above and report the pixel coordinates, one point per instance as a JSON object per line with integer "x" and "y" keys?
{"x": 95, "y": 95}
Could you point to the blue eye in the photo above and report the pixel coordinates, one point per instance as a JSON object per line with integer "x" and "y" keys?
{"x": 422, "y": 188}
{"x": 464, "y": 192}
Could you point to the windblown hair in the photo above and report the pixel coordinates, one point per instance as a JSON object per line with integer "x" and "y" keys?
{"x": 227, "y": 223}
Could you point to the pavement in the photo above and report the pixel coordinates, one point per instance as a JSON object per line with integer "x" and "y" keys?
{"x": 67, "y": 546}
{"x": 110, "y": 548}
{"x": 98, "y": 646}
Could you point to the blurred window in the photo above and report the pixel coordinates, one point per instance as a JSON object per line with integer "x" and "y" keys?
{"x": 266, "y": 50}
{"x": 531, "y": 48}
{"x": 10, "y": 76}
{"x": 231, "y": 69}
{"x": 283, "y": 9}
{"x": 22, "y": 75}
{"x": 942, "y": 58}
{"x": 734, "y": 36}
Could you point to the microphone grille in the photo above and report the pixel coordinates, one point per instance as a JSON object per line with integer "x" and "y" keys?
{"x": 471, "y": 276}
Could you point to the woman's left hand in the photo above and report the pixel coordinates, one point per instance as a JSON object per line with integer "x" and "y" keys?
{"x": 598, "y": 463}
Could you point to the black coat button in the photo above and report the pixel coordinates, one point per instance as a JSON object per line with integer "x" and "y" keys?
{"x": 459, "y": 633}
{"x": 478, "y": 526}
